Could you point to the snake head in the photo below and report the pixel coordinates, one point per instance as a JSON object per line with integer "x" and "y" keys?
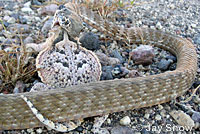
{"x": 68, "y": 20}
{"x": 61, "y": 18}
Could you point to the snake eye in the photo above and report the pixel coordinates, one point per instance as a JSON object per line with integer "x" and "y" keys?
{"x": 61, "y": 7}
{"x": 67, "y": 22}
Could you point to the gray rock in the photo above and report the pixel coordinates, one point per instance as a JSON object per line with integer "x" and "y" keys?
{"x": 49, "y": 9}
{"x": 121, "y": 130}
{"x": 197, "y": 39}
{"x": 164, "y": 64}
{"x": 28, "y": 39}
{"x": 196, "y": 116}
{"x": 106, "y": 73}
{"x": 22, "y": 20}
{"x": 47, "y": 26}
{"x": 90, "y": 41}
{"x": 105, "y": 60}
{"x": 117, "y": 55}
{"x": 19, "y": 28}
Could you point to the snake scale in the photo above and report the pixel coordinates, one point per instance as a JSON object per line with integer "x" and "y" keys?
{"x": 104, "y": 97}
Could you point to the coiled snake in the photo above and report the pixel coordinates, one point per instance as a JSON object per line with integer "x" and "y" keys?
{"x": 103, "y": 97}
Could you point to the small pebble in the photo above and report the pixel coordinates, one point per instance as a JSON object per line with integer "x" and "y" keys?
{"x": 158, "y": 117}
{"x": 39, "y": 130}
{"x": 27, "y": 10}
{"x": 121, "y": 130}
{"x": 164, "y": 64}
{"x": 196, "y": 116}
{"x": 28, "y": 39}
{"x": 147, "y": 116}
{"x": 79, "y": 128}
{"x": 11, "y": 20}
{"x": 125, "y": 120}
{"x": 158, "y": 25}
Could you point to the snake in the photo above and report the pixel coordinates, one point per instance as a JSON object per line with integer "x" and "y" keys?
{"x": 104, "y": 97}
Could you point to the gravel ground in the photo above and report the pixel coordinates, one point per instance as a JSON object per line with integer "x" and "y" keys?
{"x": 177, "y": 17}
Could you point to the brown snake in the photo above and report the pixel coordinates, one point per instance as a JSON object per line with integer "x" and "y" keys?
{"x": 109, "y": 96}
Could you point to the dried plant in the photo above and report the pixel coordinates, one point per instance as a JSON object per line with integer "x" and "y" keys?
{"x": 15, "y": 64}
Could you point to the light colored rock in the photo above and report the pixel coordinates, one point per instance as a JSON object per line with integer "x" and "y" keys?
{"x": 193, "y": 25}
{"x": 27, "y": 10}
{"x": 182, "y": 118}
{"x": 39, "y": 130}
{"x": 49, "y": 9}
{"x": 6, "y": 17}
{"x": 27, "y": 4}
{"x": 158, "y": 117}
{"x": 147, "y": 116}
{"x": 158, "y": 25}
{"x": 125, "y": 120}
{"x": 11, "y": 20}
{"x": 2, "y": 39}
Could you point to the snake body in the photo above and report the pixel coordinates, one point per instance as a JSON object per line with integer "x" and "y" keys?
{"x": 104, "y": 97}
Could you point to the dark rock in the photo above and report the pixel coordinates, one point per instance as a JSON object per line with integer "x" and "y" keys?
{"x": 116, "y": 71}
{"x": 172, "y": 67}
{"x": 196, "y": 116}
{"x": 122, "y": 130}
{"x": 164, "y": 64}
{"x": 196, "y": 84}
{"x": 35, "y": 2}
{"x": 90, "y": 41}
{"x": 106, "y": 73}
{"x": 119, "y": 72}
{"x": 79, "y": 128}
